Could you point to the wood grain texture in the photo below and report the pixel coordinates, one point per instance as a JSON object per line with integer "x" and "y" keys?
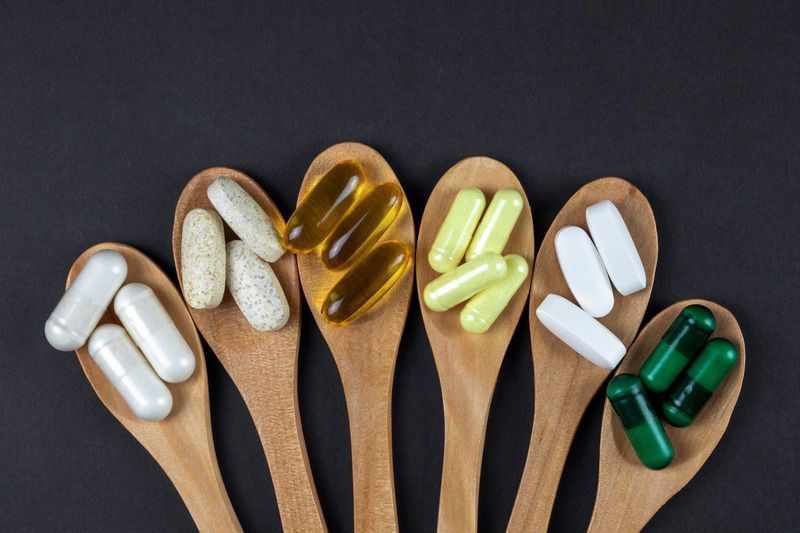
{"x": 262, "y": 365}
{"x": 365, "y": 351}
{"x": 468, "y": 364}
{"x": 565, "y": 382}
{"x": 628, "y": 494}
{"x": 182, "y": 443}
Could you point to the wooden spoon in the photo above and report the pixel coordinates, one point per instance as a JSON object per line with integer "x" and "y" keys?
{"x": 365, "y": 350}
{"x": 467, "y": 363}
{"x": 262, "y": 365}
{"x": 182, "y": 443}
{"x": 628, "y": 494}
{"x": 565, "y": 382}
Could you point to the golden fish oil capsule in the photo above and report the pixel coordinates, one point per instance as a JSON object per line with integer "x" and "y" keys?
{"x": 366, "y": 283}
{"x": 324, "y": 206}
{"x": 362, "y": 225}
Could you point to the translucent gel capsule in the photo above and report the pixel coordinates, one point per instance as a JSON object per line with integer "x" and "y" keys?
{"x": 366, "y": 283}
{"x": 641, "y": 423}
{"x": 702, "y": 379}
{"x": 456, "y": 231}
{"x": 680, "y": 344}
{"x": 483, "y": 309}
{"x": 362, "y": 225}
{"x": 324, "y": 206}
{"x": 459, "y": 285}
{"x": 497, "y": 223}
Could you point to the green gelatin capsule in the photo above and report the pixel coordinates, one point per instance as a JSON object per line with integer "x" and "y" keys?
{"x": 629, "y": 400}
{"x": 483, "y": 309}
{"x": 449, "y": 290}
{"x": 680, "y": 344}
{"x": 453, "y": 238}
{"x": 497, "y": 223}
{"x": 702, "y": 379}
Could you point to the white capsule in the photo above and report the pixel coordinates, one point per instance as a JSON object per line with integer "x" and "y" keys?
{"x": 246, "y": 218}
{"x": 83, "y": 305}
{"x": 256, "y": 289}
{"x": 125, "y": 367}
{"x": 616, "y": 247}
{"x": 579, "y": 331}
{"x": 583, "y": 270}
{"x": 154, "y": 332}
{"x": 203, "y": 259}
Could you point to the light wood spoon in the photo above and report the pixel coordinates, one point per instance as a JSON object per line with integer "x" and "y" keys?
{"x": 467, "y": 363}
{"x": 182, "y": 443}
{"x": 565, "y": 382}
{"x": 262, "y": 365}
{"x": 628, "y": 494}
{"x": 365, "y": 350}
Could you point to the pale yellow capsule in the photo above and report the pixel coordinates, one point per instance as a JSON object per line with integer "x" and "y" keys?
{"x": 497, "y": 223}
{"x": 449, "y": 290}
{"x": 483, "y": 309}
{"x": 453, "y": 238}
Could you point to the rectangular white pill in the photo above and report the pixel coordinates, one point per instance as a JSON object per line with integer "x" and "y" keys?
{"x": 584, "y": 271}
{"x": 256, "y": 289}
{"x": 616, "y": 247}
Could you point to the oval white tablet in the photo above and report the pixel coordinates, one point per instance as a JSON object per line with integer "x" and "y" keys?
{"x": 616, "y": 247}
{"x": 583, "y": 270}
{"x": 256, "y": 289}
{"x": 584, "y": 334}
{"x": 203, "y": 259}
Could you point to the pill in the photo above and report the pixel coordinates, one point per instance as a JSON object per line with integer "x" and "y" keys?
{"x": 681, "y": 343}
{"x": 616, "y": 247}
{"x": 641, "y": 423}
{"x": 86, "y": 300}
{"x": 366, "y": 283}
{"x": 497, "y": 223}
{"x": 255, "y": 288}
{"x": 154, "y": 332}
{"x": 125, "y": 367}
{"x": 583, "y": 271}
{"x": 246, "y": 218}
{"x": 483, "y": 309}
{"x": 455, "y": 234}
{"x": 459, "y": 285}
{"x": 324, "y": 206}
{"x": 700, "y": 381}
{"x": 203, "y": 259}
{"x": 584, "y": 334}
{"x": 362, "y": 225}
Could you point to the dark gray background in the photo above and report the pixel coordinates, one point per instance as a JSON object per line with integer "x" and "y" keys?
{"x": 107, "y": 110}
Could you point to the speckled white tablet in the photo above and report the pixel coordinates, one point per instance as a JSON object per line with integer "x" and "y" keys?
{"x": 584, "y": 271}
{"x": 246, "y": 218}
{"x": 616, "y": 247}
{"x": 203, "y": 259}
{"x": 256, "y": 289}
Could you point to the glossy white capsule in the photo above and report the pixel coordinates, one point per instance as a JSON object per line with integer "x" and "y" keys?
{"x": 83, "y": 305}
{"x": 584, "y": 271}
{"x": 616, "y": 247}
{"x": 256, "y": 289}
{"x": 127, "y": 370}
{"x": 154, "y": 332}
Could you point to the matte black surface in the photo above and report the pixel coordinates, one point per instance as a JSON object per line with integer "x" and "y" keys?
{"x": 106, "y": 111}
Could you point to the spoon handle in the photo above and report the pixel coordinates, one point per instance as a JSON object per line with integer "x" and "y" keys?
{"x": 611, "y": 514}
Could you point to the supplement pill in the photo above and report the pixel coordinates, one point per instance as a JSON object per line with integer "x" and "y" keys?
{"x": 456, "y": 231}
{"x": 459, "y": 285}
{"x": 497, "y": 223}
{"x": 483, "y": 309}
{"x": 255, "y": 288}
{"x": 616, "y": 247}
{"x": 203, "y": 259}
{"x": 583, "y": 271}
{"x": 86, "y": 300}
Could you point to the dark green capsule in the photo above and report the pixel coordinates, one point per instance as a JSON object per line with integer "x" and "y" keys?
{"x": 642, "y": 425}
{"x": 680, "y": 344}
{"x": 697, "y": 385}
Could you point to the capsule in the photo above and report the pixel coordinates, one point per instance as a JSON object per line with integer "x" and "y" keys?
{"x": 154, "y": 332}
{"x": 203, "y": 259}
{"x": 702, "y": 379}
{"x": 483, "y": 309}
{"x": 362, "y": 225}
{"x": 497, "y": 223}
{"x": 455, "y": 234}
{"x": 629, "y": 400}
{"x": 83, "y": 305}
{"x": 324, "y": 206}
{"x": 459, "y": 285}
{"x": 680, "y": 344}
{"x": 366, "y": 283}
{"x": 125, "y": 367}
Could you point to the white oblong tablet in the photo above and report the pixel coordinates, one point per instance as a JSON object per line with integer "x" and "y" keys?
{"x": 256, "y": 289}
{"x": 203, "y": 259}
{"x": 616, "y": 247}
{"x": 246, "y": 218}
{"x": 584, "y": 334}
{"x": 584, "y": 271}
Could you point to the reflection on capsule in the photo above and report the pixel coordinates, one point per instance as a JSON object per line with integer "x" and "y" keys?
{"x": 456, "y": 231}
{"x": 483, "y": 309}
{"x": 366, "y": 283}
{"x": 324, "y": 206}
{"x": 449, "y": 290}
{"x": 497, "y": 223}
{"x": 362, "y": 225}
